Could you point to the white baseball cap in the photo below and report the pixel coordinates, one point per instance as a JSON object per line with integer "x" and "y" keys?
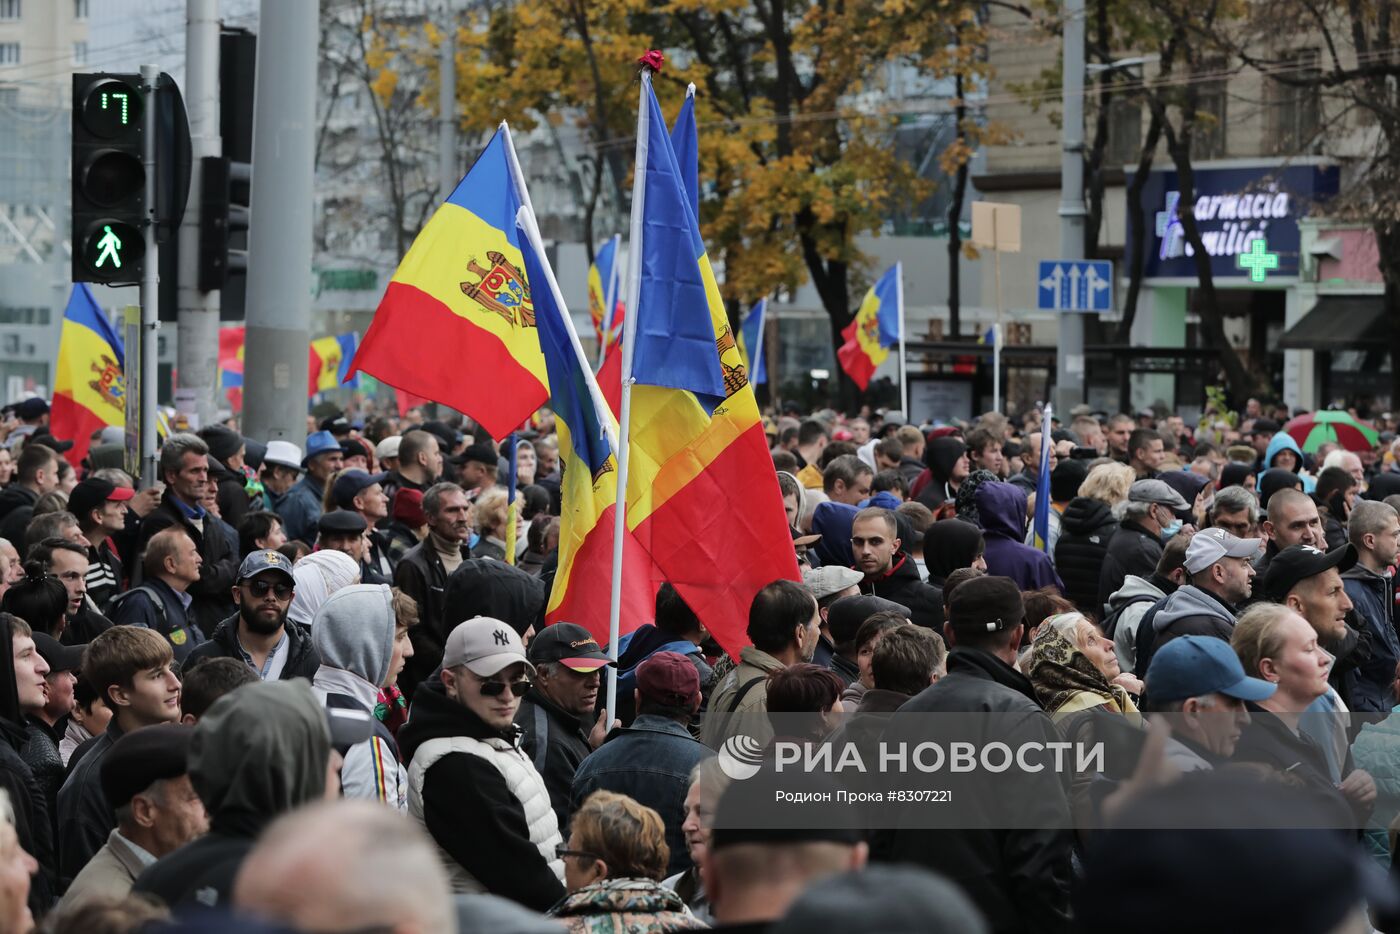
{"x": 485, "y": 646}
{"x": 283, "y": 453}
{"x": 389, "y": 447}
{"x": 1210, "y": 545}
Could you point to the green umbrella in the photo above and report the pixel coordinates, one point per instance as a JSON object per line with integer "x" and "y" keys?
{"x": 1331, "y": 427}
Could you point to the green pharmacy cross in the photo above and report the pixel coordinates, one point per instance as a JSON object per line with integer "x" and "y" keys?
{"x": 1258, "y": 260}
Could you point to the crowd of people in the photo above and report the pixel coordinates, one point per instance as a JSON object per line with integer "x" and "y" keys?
{"x": 313, "y": 689}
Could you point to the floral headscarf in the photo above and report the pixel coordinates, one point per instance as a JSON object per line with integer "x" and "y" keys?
{"x": 1062, "y": 675}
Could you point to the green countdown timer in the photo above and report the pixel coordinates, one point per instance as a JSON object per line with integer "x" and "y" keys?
{"x": 112, "y": 108}
{"x": 109, "y": 247}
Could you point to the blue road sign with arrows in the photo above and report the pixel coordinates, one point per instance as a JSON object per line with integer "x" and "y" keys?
{"x": 1074, "y": 285}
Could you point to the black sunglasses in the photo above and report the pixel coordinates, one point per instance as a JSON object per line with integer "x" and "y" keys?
{"x": 497, "y": 688}
{"x": 260, "y": 588}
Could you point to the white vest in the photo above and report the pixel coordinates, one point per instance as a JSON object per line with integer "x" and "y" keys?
{"x": 521, "y": 778}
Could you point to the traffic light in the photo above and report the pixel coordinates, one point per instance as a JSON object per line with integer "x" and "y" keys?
{"x": 238, "y": 50}
{"x": 221, "y": 218}
{"x": 109, "y": 180}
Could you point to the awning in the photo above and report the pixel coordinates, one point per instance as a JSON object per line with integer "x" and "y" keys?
{"x": 1339, "y": 322}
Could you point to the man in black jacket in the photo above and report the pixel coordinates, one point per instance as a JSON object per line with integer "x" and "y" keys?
{"x": 422, "y": 574}
{"x": 100, "y": 507}
{"x": 36, "y": 473}
{"x": 170, "y": 565}
{"x": 184, "y": 466}
{"x": 1137, "y": 545}
{"x": 260, "y": 635}
{"x": 1019, "y": 878}
{"x": 501, "y": 838}
{"x": 553, "y": 718}
{"x": 889, "y": 571}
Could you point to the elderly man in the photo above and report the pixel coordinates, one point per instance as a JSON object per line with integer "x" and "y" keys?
{"x": 145, "y": 778}
{"x": 1152, "y": 515}
{"x": 300, "y": 509}
{"x": 423, "y": 573}
{"x": 1199, "y": 681}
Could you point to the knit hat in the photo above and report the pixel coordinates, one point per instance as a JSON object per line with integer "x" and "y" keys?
{"x": 408, "y": 507}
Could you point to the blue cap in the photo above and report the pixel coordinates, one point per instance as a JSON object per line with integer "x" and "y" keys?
{"x": 264, "y": 559}
{"x": 349, "y": 483}
{"x": 1192, "y": 666}
{"x": 319, "y": 442}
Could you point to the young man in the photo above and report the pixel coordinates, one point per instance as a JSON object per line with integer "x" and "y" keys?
{"x": 361, "y": 636}
{"x": 984, "y": 451}
{"x": 132, "y": 669}
{"x": 24, "y": 683}
{"x": 1374, "y": 531}
{"x": 1145, "y": 453}
{"x": 68, "y": 562}
{"x": 362, "y": 493}
{"x": 100, "y": 507}
{"x": 502, "y": 838}
{"x": 476, "y": 467}
{"x": 889, "y": 572}
{"x": 420, "y": 464}
{"x": 145, "y": 779}
{"x": 36, "y": 473}
{"x": 171, "y": 565}
{"x": 45, "y": 723}
{"x": 260, "y": 634}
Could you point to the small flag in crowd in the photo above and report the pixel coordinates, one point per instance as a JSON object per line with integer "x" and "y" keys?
{"x": 874, "y": 329}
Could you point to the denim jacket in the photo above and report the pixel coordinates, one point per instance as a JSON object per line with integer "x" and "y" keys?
{"x": 651, "y": 762}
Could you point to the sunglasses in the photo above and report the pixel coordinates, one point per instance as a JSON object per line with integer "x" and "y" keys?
{"x": 497, "y": 688}
{"x": 260, "y": 588}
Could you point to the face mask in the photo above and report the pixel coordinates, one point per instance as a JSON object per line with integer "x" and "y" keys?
{"x": 1169, "y": 530}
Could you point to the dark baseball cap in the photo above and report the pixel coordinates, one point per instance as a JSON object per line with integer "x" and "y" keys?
{"x": 669, "y": 678}
{"x": 1297, "y": 562}
{"x": 569, "y": 644}
{"x": 1193, "y": 666}
{"x": 59, "y": 657}
{"x": 141, "y": 757}
{"x": 93, "y": 492}
{"x": 265, "y": 559}
{"x": 481, "y": 453}
{"x": 986, "y": 604}
{"x": 31, "y": 408}
{"x": 349, "y": 483}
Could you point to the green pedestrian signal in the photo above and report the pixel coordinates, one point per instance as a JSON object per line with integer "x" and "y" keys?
{"x": 109, "y": 247}
{"x": 109, "y": 178}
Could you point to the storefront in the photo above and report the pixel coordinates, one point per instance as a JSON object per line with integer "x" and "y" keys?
{"x": 1249, "y": 216}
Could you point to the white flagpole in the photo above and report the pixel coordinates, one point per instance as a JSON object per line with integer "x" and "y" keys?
{"x": 629, "y": 333}
{"x": 756, "y": 352}
{"x": 903, "y": 384}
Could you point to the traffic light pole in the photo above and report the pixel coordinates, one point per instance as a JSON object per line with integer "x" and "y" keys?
{"x": 150, "y": 282}
{"x": 198, "y": 320}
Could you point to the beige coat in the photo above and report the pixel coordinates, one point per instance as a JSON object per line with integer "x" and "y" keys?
{"x": 750, "y": 716}
{"x": 111, "y": 871}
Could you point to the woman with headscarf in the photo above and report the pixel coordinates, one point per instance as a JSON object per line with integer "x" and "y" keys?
{"x": 951, "y": 544}
{"x": 966, "y": 499}
{"x": 1073, "y": 668}
{"x": 318, "y": 575}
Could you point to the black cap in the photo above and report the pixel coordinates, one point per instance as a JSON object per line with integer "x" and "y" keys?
{"x": 335, "y": 424}
{"x": 44, "y": 437}
{"x": 481, "y": 453}
{"x": 845, "y": 615}
{"x": 341, "y": 522}
{"x": 58, "y": 656}
{"x": 144, "y": 756}
{"x": 1297, "y": 562}
{"x": 31, "y": 408}
{"x": 986, "y": 604}
{"x": 93, "y": 492}
{"x": 1265, "y": 426}
{"x": 223, "y": 442}
{"x": 571, "y": 645}
{"x": 446, "y": 436}
{"x": 1066, "y": 479}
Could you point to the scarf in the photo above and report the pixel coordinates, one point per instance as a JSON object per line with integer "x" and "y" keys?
{"x": 1061, "y": 673}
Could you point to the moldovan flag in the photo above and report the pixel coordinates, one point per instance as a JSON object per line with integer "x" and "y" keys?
{"x": 874, "y": 329}
{"x": 456, "y": 324}
{"x": 89, "y": 389}
{"x": 587, "y": 435}
{"x": 751, "y": 342}
{"x": 604, "y": 279}
{"x": 329, "y": 364}
{"x": 702, "y": 497}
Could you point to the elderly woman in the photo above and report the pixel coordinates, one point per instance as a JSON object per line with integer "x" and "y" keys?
{"x": 1276, "y": 644}
{"x": 613, "y": 864}
{"x": 492, "y": 515}
{"x": 1073, "y": 668}
{"x": 707, "y": 783}
{"x": 1088, "y": 522}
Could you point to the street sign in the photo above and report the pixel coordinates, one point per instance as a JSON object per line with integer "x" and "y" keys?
{"x": 1074, "y": 285}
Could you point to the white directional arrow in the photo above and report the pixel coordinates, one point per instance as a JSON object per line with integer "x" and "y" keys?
{"x": 1053, "y": 281}
{"x": 1074, "y": 274}
{"x": 1094, "y": 284}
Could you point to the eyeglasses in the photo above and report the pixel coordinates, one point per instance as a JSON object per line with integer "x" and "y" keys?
{"x": 260, "y": 588}
{"x": 497, "y": 688}
{"x": 563, "y": 852}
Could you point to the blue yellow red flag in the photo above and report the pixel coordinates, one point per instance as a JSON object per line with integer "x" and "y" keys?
{"x": 604, "y": 279}
{"x": 751, "y": 342}
{"x": 702, "y": 498}
{"x": 874, "y": 329}
{"x": 1042, "y": 486}
{"x": 456, "y": 323}
{"x": 329, "y": 363}
{"x": 587, "y": 441}
{"x": 89, "y": 388}
{"x": 685, "y": 140}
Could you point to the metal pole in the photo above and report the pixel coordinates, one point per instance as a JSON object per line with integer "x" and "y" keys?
{"x": 903, "y": 379}
{"x": 448, "y": 175}
{"x": 279, "y": 238}
{"x": 150, "y": 281}
{"x": 996, "y": 334}
{"x": 198, "y": 321}
{"x": 1069, "y": 356}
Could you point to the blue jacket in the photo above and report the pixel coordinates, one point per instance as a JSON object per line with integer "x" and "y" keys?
{"x": 171, "y": 619}
{"x": 1373, "y": 597}
{"x": 1002, "y": 509}
{"x": 649, "y": 761}
{"x": 1284, "y": 441}
{"x": 300, "y": 509}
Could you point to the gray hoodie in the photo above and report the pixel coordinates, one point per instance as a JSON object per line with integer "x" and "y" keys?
{"x": 1193, "y": 612}
{"x": 1125, "y": 631}
{"x": 354, "y": 634}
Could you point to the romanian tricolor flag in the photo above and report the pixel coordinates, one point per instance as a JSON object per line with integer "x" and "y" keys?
{"x": 751, "y": 343}
{"x": 604, "y": 281}
{"x": 456, "y": 324}
{"x": 89, "y": 389}
{"x": 587, "y": 437}
{"x": 875, "y": 328}
{"x": 702, "y": 497}
{"x": 329, "y": 364}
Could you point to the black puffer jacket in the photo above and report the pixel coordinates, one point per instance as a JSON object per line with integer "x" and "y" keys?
{"x": 902, "y": 584}
{"x": 1133, "y": 550}
{"x": 1085, "y": 529}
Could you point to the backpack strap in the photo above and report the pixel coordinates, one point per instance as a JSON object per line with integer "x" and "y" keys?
{"x": 743, "y": 691}
{"x": 151, "y": 595}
